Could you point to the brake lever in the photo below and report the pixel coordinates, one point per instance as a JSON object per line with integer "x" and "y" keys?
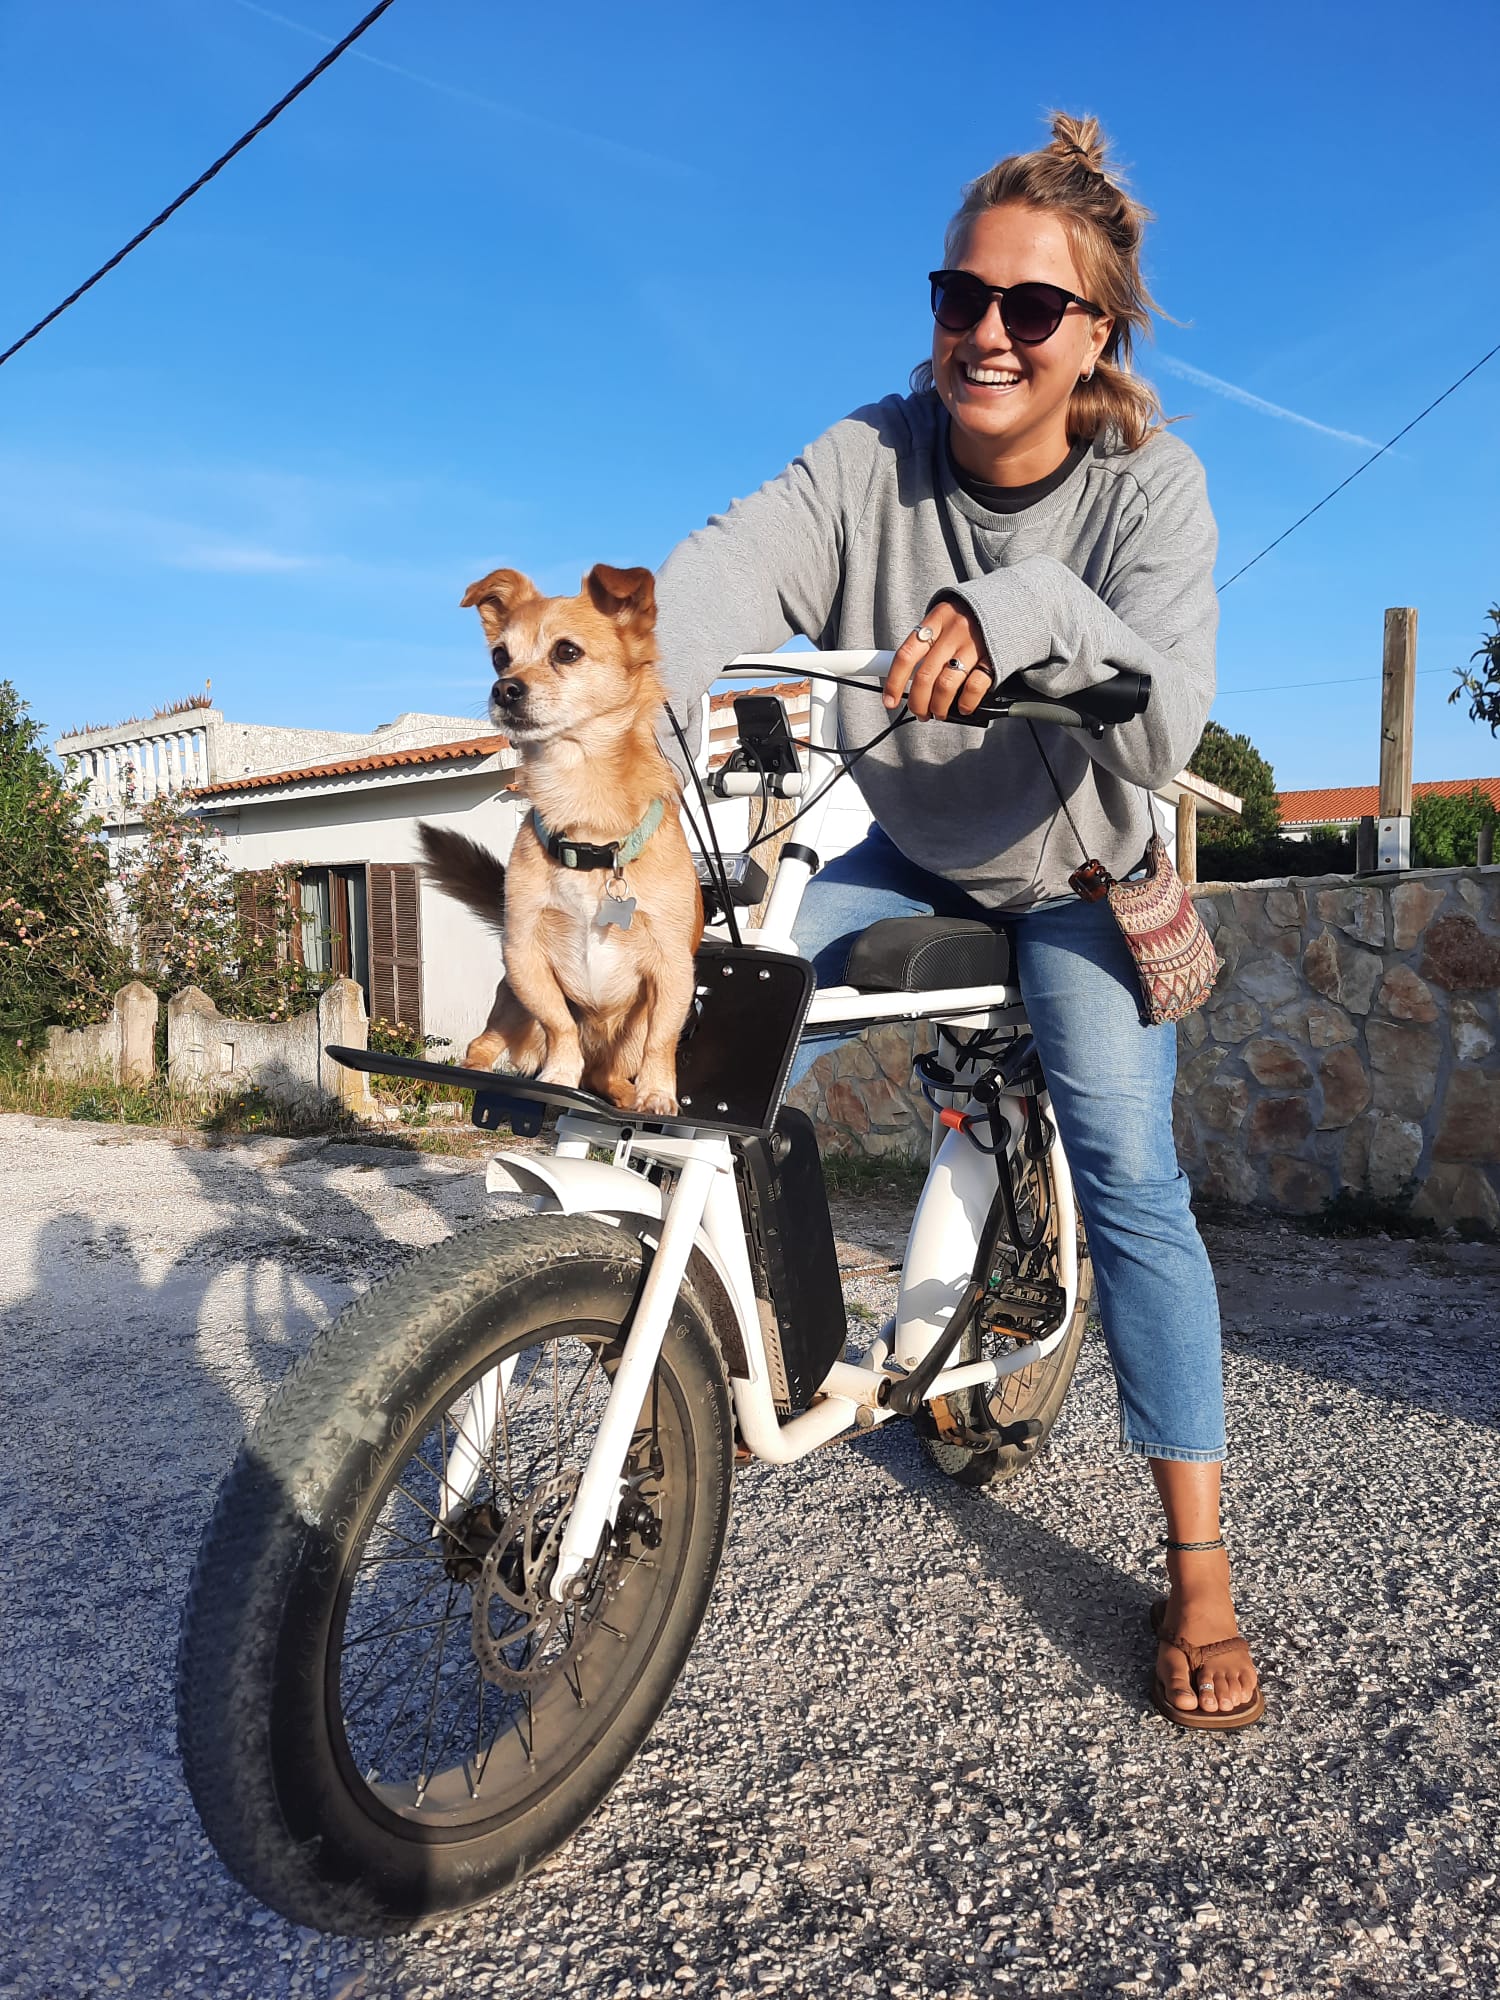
{"x": 995, "y": 707}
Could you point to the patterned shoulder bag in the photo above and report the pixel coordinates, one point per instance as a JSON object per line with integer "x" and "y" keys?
{"x": 1175, "y": 960}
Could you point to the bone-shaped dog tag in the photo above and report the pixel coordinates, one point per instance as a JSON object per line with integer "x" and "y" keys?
{"x": 615, "y": 908}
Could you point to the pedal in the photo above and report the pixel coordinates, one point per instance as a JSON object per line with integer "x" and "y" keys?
{"x": 1023, "y": 1308}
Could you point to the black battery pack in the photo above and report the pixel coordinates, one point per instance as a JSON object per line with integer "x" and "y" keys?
{"x": 791, "y": 1237}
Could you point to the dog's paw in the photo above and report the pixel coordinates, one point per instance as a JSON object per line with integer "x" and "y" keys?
{"x": 568, "y": 1074}
{"x": 652, "y": 1103}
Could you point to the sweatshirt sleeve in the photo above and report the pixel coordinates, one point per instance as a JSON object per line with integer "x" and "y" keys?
{"x": 769, "y": 569}
{"x": 1156, "y": 612}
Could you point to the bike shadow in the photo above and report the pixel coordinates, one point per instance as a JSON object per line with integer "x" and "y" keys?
{"x": 1020, "y": 1571}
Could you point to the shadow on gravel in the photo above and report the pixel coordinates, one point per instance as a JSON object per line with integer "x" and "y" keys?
{"x": 1083, "y": 1604}
{"x": 120, "y": 1429}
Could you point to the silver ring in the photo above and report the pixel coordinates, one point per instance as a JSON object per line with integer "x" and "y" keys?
{"x": 1205, "y": 1687}
{"x": 925, "y": 633}
{"x": 955, "y": 667}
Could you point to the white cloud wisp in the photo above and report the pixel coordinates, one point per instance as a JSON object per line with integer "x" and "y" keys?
{"x": 1234, "y": 394}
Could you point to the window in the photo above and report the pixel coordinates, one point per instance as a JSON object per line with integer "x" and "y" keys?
{"x": 335, "y": 928}
{"x": 395, "y": 943}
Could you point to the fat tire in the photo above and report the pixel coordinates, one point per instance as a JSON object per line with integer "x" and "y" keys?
{"x": 251, "y": 1703}
{"x": 1040, "y": 1399}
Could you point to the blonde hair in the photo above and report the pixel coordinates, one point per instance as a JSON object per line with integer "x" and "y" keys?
{"x": 1071, "y": 178}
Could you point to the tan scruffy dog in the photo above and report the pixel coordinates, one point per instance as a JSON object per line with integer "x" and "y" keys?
{"x": 599, "y": 902}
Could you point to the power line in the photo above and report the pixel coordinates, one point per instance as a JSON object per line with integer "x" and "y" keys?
{"x": 1342, "y": 680}
{"x": 203, "y": 179}
{"x": 1363, "y": 468}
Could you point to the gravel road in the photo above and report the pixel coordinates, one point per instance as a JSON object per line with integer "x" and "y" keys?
{"x": 912, "y": 1754}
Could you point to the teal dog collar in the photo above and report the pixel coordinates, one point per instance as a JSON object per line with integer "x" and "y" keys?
{"x": 588, "y": 855}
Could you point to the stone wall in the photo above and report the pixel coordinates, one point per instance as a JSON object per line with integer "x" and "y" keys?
{"x": 1350, "y": 1048}
{"x": 123, "y": 1045}
{"x": 209, "y": 1053}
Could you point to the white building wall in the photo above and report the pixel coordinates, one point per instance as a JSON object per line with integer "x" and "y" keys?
{"x": 461, "y": 958}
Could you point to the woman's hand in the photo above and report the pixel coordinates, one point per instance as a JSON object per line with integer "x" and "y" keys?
{"x": 941, "y": 668}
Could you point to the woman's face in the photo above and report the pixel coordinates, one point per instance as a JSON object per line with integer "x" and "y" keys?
{"x": 1009, "y": 403}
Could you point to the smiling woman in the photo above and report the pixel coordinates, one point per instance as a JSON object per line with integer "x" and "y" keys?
{"x": 1024, "y": 510}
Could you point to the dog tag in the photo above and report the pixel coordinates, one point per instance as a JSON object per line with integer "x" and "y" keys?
{"x": 615, "y": 907}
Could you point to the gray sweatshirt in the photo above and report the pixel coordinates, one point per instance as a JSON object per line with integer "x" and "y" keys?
{"x": 863, "y": 532}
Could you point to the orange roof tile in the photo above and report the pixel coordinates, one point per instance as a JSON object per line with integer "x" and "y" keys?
{"x": 380, "y": 760}
{"x": 1348, "y": 802}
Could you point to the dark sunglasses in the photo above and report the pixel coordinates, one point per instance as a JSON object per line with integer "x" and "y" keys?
{"x": 1030, "y": 313}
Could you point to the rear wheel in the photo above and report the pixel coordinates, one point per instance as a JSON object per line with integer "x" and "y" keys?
{"x": 1034, "y": 1394}
{"x": 383, "y": 1712}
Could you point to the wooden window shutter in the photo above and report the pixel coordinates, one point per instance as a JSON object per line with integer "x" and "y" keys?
{"x": 396, "y": 943}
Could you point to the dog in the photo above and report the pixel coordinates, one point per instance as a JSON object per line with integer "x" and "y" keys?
{"x": 599, "y": 905}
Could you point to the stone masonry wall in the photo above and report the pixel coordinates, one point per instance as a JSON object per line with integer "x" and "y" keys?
{"x": 1350, "y": 1048}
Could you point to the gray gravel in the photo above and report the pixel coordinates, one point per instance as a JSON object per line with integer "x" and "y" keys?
{"x": 912, "y": 1753}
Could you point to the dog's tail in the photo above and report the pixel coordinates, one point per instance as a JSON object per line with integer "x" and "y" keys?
{"x": 463, "y": 869}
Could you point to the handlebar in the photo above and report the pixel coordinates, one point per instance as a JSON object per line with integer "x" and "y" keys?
{"x": 1095, "y": 709}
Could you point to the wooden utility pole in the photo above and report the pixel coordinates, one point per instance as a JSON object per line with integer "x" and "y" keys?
{"x": 1397, "y": 710}
{"x": 1187, "y": 837}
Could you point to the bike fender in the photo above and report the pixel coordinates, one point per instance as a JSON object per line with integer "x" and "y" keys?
{"x": 560, "y": 1185}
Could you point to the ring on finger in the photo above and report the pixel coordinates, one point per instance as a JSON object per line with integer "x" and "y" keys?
{"x": 925, "y": 633}
{"x": 955, "y": 666}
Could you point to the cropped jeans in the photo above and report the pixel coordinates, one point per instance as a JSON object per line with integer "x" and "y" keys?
{"x": 1110, "y": 1079}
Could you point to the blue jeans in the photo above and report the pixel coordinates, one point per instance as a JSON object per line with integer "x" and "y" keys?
{"x": 1110, "y": 1080}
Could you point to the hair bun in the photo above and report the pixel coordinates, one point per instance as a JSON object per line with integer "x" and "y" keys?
{"x": 1080, "y": 141}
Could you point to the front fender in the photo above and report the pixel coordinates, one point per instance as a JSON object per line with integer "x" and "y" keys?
{"x": 558, "y": 1185}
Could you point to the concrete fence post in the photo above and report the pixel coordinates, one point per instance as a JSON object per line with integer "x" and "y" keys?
{"x": 343, "y": 1022}
{"x": 138, "y": 1010}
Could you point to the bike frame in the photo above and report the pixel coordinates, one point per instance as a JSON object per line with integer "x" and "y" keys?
{"x": 698, "y": 1217}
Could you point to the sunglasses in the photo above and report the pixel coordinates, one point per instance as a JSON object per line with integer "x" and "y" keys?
{"x": 1030, "y": 313}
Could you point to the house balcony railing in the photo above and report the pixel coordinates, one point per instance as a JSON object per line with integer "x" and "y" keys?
{"x": 126, "y": 768}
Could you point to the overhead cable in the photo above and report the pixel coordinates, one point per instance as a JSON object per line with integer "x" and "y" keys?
{"x": 1362, "y": 468}
{"x": 203, "y": 179}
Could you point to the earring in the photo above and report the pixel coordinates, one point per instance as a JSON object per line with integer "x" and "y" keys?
{"x": 1089, "y": 377}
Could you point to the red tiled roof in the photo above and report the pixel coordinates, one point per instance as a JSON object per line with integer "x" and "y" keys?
{"x": 725, "y": 700}
{"x": 1347, "y": 802}
{"x": 380, "y": 760}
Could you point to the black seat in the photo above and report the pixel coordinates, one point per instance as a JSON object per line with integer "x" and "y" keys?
{"x": 927, "y": 954}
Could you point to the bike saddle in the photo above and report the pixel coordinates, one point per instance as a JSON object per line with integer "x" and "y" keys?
{"x": 929, "y": 954}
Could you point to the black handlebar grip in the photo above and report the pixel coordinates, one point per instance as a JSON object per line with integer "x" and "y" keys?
{"x": 1112, "y": 701}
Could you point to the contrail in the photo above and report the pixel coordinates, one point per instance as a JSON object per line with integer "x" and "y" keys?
{"x": 635, "y": 154}
{"x": 1234, "y": 393}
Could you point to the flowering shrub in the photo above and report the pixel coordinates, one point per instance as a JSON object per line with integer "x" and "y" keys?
{"x": 61, "y": 956}
{"x": 196, "y": 923}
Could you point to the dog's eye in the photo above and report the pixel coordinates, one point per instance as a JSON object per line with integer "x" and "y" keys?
{"x": 564, "y": 653}
{"x": 500, "y": 659}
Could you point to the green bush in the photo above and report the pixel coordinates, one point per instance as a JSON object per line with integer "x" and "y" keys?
{"x": 196, "y": 923}
{"x": 1483, "y": 688}
{"x": 61, "y": 955}
{"x": 1445, "y": 829}
{"x": 1235, "y": 765}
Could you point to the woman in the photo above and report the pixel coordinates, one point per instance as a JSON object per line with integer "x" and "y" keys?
{"x": 1022, "y": 508}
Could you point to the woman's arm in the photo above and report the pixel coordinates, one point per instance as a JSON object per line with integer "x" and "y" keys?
{"x": 767, "y": 570}
{"x": 1157, "y": 613}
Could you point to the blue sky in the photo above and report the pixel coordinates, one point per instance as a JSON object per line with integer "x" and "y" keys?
{"x": 541, "y": 286}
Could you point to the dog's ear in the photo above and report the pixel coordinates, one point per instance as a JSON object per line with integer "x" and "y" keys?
{"x": 495, "y": 596}
{"x": 626, "y": 595}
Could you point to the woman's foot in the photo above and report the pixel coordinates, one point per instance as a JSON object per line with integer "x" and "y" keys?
{"x": 1200, "y": 1612}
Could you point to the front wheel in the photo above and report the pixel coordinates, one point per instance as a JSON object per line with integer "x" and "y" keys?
{"x": 1033, "y": 1395}
{"x": 382, "y": 1711}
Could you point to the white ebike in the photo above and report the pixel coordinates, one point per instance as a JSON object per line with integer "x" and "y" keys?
{"x": 459, "y": 1563}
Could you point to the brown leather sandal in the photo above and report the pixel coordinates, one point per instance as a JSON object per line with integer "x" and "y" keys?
{"x": 1197, "y": 1718}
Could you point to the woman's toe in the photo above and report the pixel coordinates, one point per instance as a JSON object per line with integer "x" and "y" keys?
{"x": 1173, "y": 1672}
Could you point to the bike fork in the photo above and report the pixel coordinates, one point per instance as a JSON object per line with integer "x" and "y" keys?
{"x": 601, "y": 1487}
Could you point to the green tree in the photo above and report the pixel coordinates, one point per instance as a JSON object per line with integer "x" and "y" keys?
{"x": 1445, "y": 829}
{"x": 196, "y": 923}
{"x": 61, "y": 957}
{"x": 1483, "y": 688}
{"x": 1235, "y": 765}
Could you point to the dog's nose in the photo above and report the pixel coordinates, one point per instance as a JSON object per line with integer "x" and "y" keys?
{"x": 508, "y": 694}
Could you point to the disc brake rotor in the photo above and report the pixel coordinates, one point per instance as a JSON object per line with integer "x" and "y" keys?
{"x": 519, "y": 1633}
